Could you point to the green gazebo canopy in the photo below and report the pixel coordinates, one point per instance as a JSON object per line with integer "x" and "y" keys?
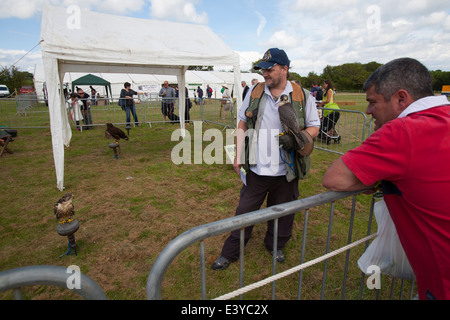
{"x": 92, "y": 80}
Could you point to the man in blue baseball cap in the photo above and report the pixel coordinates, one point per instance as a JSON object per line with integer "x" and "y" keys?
{"x": 267, "y": 175}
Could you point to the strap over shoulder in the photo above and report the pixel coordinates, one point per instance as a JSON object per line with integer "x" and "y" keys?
{"x": 297, "y": 92}
{"x": 258, "y": 90}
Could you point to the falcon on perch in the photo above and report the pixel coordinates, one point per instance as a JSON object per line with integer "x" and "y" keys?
{"x": 64, "y": 209}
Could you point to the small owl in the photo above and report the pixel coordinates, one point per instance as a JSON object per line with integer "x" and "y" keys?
{"x": 64, "y": 209}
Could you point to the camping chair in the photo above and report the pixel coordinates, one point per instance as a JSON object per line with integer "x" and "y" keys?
{"x": 6, "y": 136}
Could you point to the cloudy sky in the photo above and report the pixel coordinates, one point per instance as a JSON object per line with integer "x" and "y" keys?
{"x": 314, "y": 34}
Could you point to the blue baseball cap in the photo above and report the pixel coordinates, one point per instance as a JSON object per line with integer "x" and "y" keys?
{"x": 272, "y": 57}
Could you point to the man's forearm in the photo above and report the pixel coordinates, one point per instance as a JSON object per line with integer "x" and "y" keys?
{"x": 313, "y": 131}
{"x": 339, "y": 178}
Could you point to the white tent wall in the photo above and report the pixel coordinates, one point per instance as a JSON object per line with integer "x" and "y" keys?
{"x": 143, "y": 47}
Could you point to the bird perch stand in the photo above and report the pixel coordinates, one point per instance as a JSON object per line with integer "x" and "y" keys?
{"x": 114, "y": 145}
{"x": 68, "y": 229}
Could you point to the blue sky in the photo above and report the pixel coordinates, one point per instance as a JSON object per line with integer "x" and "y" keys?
{"x": 313, "y": 34}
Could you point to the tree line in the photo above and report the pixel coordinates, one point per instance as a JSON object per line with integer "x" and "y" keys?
{"x": 13, "y": 78}
{"x": 350, "y": 77}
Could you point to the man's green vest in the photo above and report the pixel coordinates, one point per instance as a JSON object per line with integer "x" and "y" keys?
{"x": 301, "y": 165}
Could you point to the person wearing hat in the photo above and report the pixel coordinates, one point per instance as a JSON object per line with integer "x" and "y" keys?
{"x": 268, "y": 177}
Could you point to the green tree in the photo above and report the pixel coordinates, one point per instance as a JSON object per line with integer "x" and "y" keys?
{"x": 201, "y": 68}
{"x": 440, "y": 78}
{"x": 13, "y": 78}
{"x": 312, "y": 77}
{"x": 371, "y": 66}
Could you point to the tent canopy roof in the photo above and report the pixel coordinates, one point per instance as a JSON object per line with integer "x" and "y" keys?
{"x": 91, "y": 79}
{"x": 128, "y": 43}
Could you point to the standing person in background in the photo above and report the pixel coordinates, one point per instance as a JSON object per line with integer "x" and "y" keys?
{"x": 328, "y": 103}
{"x": 226, "y": 102}
{"x": 209, "y": 92}
{"x": 328, "y": 98}
{"x": 168, "y": 96}
{"x": 245, "y": 90}
{"x": 127, "y": 94}
{"x": 200, "y": 95}
{"x": 74, "y": 106}
{"x": 409, "y": 153}
{"x": 187, "y": 106}
{"x": 187, "y": 109}
{"x": 86, "y": 109}
{"x": 316, "y": 91}
{"x": 330, "y": 115}
{"x": 93, "y": 95}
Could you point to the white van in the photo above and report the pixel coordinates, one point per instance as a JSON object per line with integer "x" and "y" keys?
{"x": 4, "y": 91}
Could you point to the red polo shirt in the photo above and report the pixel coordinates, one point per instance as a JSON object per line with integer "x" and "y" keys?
{"x": 412, "y": 156}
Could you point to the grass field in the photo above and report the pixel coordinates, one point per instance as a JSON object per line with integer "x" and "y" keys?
{"x": 129, "y": 209}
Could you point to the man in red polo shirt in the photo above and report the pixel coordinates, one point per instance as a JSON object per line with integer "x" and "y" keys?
{"x": 410, "y": 154}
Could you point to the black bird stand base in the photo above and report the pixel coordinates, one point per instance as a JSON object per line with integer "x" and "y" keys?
{"x": 68, "y": 229}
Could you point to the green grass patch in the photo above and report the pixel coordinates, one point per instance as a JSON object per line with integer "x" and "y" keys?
{"x": 130, "y": 209}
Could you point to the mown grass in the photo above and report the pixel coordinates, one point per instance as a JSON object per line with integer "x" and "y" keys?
{"x": 130, "y": 209}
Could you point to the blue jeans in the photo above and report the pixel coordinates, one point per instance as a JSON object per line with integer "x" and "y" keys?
{"x": 133, "y": 110}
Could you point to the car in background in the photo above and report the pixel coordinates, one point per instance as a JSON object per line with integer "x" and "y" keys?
{"x": 4, "y": 91}
{"x": 26, "y": 89}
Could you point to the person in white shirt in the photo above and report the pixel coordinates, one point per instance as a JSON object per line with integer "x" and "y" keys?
{"x": 269, "y": 176}
{"x": 74, "y": 106}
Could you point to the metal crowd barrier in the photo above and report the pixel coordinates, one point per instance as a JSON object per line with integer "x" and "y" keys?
{"x": 15, "y": 279}
{"x": 200, "y": 233}
{"x": 352, "y": 128}
{"x": 26, "y": 112}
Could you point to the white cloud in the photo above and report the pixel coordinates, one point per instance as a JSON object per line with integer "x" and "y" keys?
{"x": 27, "y": 60}
{"x": 345, "y": 31}
{"x": 281, "y": 39}
{"x": 24, "y": 9}
{"x": 248, "y": 57}
{"x": 262, "y": 23}
{"x": 178, "y": 10}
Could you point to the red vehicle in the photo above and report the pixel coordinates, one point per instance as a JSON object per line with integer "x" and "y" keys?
{"x": 26, "y": 89}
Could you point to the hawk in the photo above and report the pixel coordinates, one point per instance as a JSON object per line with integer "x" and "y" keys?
{"x": 115, "y": 133}
{"x": 64, "y": 209}
{"x": 289, "y": 121}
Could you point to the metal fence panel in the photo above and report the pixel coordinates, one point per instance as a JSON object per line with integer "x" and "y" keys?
{"x": 352, "y": 128}
{"x": 201, "y": 233}
{"x": 48, "y": 275}
{"x": 26, "y": 112}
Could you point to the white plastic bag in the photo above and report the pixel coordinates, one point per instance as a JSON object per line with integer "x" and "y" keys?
{"x": 386, "y": 251}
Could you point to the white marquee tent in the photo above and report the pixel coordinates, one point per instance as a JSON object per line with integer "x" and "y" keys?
{"x": 153, "y": 82}
{"x": 117, "y": 44}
